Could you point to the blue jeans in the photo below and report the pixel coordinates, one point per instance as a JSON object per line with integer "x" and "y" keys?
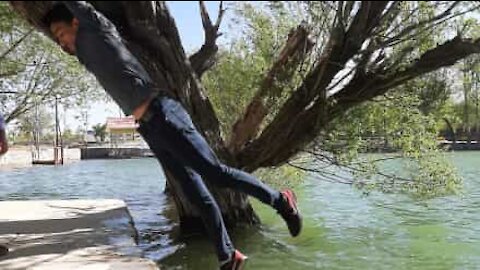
{"x": 171, "y": 135}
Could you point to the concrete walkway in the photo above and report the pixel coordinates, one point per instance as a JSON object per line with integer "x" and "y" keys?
{"x": 69, "y": 234}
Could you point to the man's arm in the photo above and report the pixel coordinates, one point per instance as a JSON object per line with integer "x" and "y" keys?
{"x": 3, "y": 137}
{"x": 87, "y": 15}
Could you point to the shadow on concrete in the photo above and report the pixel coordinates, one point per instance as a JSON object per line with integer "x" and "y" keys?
{"x": 80, "y": 239}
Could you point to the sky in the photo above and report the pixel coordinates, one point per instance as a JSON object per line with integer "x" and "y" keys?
{"x": 189, "y": 23}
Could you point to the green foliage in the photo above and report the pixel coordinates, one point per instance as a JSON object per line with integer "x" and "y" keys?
{"x": 395, "y": 123}
{"x": 242, "y": 66}
{"x": 71, "y": 137}
{"x": 100, "y": 131}
{"x": 235, "y": 79}
{"x": 39, "y": 120}
{"x": 231, "y": 84}
{"x": 281, "y": 177}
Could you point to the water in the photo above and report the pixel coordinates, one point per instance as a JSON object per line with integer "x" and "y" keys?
{"x": 343, "y": 229}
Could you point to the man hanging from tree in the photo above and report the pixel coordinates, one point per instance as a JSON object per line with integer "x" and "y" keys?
{"x": 163, "y": 122}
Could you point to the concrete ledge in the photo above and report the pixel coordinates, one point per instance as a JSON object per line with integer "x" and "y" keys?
{"x": 114, "y": 153}
{"x": 69, "y": 234}
{"x": 22, "y": 156}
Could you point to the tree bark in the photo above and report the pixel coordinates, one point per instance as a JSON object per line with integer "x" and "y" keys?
{"x": 293, "y": 53}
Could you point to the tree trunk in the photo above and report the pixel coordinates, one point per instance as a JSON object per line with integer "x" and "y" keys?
{"x": 468, "y": 83}
{"x": 452, "y": 132}
{"x": 477, "y": 101}
{"x": 466, "y": 123}
{"x": 476, "y": 122}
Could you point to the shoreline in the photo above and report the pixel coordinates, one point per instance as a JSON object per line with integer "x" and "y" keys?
{"x": 21, "y": 156}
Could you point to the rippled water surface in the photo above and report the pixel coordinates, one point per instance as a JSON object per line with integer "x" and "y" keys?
{"x": 343, "y": 229}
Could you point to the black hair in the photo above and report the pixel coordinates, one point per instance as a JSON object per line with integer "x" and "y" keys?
{"x": 58, "y": 13}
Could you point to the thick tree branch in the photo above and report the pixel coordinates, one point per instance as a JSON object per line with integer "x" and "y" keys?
{"x": 204, "y": 59}
{"x": 33, "y": 12}
{"x": 154, "y": 27}
{"x": 341, "y": 47}
{"x": 294, "y": 51}
{"x": 304, "y": 126}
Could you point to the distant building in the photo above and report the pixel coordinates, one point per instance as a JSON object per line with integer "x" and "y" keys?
{"x": 90, "y": 137}
{"x": 122, "y": 129}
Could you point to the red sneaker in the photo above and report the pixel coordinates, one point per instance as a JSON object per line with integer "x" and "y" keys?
{"x": 289, "y": 212}
{"x": 236, "y": 263}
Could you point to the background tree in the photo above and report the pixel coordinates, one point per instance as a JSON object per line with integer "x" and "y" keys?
{"x": 100, "y": 131}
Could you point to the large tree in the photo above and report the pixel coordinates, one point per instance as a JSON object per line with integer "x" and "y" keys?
{"x": 350, "y": 52}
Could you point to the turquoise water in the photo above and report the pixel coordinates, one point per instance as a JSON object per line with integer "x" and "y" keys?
{"x": 343, "y": 229}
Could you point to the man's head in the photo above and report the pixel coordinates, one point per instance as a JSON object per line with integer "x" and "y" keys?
{"x": 63, "y": 25}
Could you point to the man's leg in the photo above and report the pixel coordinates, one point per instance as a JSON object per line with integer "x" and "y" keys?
{"x": 178, "y": 135}
{"x": 197, "y": 193}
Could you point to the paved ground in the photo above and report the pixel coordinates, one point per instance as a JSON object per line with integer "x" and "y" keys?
{"x": 69, "y": 234}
